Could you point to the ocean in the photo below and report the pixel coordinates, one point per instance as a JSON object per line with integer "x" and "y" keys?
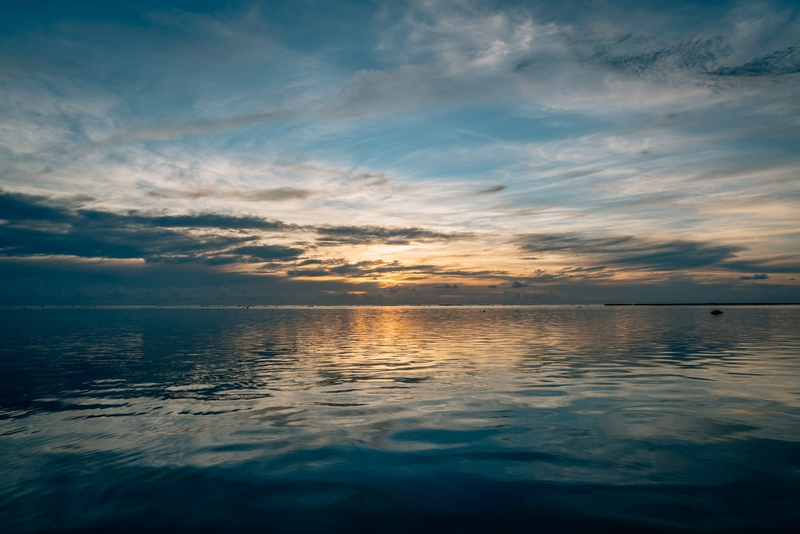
{"x": 400, "y": 419}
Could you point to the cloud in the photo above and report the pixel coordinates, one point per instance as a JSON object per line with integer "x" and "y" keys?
{"x": 269, "y": 252}
{"x": 20, "y": 206}
{"x": 643, "y": 56}
{"x": 737, "y": 45}
{"x": 516, "y": 284}
{"x": 37, "y": 225}
{"x": 450, "y": 53}
{"x": 363, "y": 235}
{"x": 277, "y": 194}
{"x": 90, "y": 239}
{"x": 314, "y": 273}
{"x": 374, "y": 269}
{"x": 40, "y": 225}
{"x": 370, "y": 268}
{"x": 778, "y": 63}
{"x": 600, "y": 117}
{"x": 192, "y": 220}
{"x": 788, "y": 263}
{"x": 633, "y": 251}
{"x": 166, "y": 131}
{"x": 762, "y": 276}
{"x": 493, "y": 189}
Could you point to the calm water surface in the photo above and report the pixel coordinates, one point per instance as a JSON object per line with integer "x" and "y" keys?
{"x": 400, "y": 419}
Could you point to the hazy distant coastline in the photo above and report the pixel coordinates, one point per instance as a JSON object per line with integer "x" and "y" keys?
{"x": 710, "y": 304}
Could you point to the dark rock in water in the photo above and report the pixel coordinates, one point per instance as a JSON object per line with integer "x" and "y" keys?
{"x": 716, "y": 312}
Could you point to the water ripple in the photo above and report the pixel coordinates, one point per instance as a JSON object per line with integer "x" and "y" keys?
{"x": 622, "y": 416}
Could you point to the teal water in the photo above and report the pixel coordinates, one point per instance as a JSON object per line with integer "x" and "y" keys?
{"x": 456, "y": 419}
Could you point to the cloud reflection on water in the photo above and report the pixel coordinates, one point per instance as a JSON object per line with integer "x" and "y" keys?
{"x": 364, "y": 397}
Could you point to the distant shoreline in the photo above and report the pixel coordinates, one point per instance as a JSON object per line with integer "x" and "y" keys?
{"x": 711, "y": 304}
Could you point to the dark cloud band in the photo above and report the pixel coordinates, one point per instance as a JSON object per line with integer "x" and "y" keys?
{"x": 632, "y": 251}
{"x": 39, "y": 225}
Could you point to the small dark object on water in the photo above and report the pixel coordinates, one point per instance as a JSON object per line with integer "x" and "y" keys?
{"x": 716, "y": 312}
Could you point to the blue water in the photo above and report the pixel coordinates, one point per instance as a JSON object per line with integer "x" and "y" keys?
{"x": 431, "y": 419}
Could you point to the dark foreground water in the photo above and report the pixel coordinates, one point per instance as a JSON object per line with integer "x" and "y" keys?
{"x": 400, "y": 419}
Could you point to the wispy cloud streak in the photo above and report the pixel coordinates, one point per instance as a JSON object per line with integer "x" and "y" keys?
{"x": 166, "y": 131}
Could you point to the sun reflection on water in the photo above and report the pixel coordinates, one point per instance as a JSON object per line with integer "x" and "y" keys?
{"x": 559, "y": 395}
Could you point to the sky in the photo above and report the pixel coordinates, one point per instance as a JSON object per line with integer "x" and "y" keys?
{"x": 399, "y": 152}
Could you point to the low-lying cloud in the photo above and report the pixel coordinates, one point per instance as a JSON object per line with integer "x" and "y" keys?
{"x": 40, "y": 225}
{"x": 762, "y": 276}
